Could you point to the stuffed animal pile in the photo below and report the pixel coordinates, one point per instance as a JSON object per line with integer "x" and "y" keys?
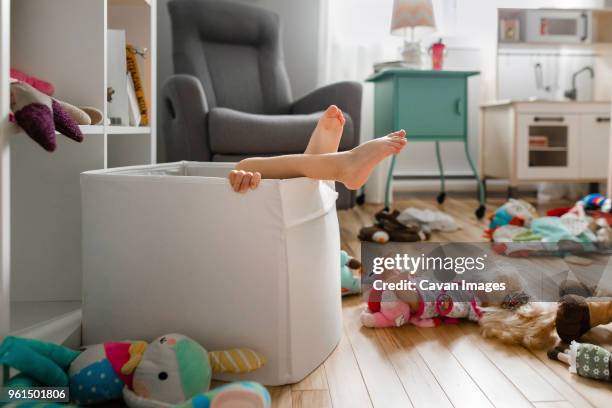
{"x": 171, "y": 371}
{"x": 516, "y": 230}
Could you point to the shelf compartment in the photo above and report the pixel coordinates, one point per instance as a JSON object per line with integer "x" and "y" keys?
{"x": 129, "y": 149}
{"x": 555, "y": 153}
{"x": 74, "y": 64}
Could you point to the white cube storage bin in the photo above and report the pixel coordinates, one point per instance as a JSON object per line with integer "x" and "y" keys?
{"x": 171, "y": 248}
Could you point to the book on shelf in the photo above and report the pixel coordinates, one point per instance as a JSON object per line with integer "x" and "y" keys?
{"x": 133, "y": 109}
{"x": 139, "y": 106}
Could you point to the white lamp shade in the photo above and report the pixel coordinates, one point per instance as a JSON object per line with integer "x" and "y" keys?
{"x": 411, "y": 13}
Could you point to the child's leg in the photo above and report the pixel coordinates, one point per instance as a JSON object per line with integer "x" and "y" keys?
{"x": 352, "y": 168}
{"x": 327, "y": 134}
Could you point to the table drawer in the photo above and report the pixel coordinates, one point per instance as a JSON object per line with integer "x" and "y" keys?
{"x": 432, "y": 107}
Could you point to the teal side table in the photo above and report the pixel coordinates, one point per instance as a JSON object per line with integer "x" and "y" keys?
{"x": 431, "y": 106}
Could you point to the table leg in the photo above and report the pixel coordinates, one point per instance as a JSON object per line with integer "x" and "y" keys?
{"x": 481, "y": 192}
{"x": 442, "y": 195}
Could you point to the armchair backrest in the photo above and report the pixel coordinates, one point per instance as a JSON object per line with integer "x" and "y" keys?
{"x": 234, "y": 50}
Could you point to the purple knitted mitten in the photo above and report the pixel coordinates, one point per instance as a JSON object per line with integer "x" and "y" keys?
{"x": 33, "y": 113}
{"x": 64, "y": 122}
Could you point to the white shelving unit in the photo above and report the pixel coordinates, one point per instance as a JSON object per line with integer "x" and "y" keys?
{"x": 5, "y": 216}
{"x": 63, "y": 42}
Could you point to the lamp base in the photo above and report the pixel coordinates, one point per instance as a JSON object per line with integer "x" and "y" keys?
{"x": 412, "y": 54}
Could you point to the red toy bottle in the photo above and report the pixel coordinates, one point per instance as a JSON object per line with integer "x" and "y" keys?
{"x": 437, "y": 55}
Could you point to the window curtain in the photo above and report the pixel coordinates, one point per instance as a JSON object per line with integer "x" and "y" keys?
{"x": 358, "y": 35}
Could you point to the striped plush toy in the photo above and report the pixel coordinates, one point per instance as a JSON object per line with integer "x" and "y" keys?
{"x": 172, "y": 370}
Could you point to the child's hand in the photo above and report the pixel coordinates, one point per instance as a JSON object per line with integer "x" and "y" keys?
{"x": 243, "y": 181}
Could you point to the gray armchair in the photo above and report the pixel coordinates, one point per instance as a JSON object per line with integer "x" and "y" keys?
{"x": 230, "y": 97}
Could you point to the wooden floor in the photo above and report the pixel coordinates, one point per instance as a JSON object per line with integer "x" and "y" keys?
{"x": 448, "y": 366}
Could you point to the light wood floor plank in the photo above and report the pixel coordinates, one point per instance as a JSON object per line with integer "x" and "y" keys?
{"x": 454, "y": 380}
{"x": 281, "y": 396}
{"x": 419, "y": 382}
{"x": 311, "y": 398}
{"x": 384, "y": 387}
{"x": 496, "y": 386}
{"x": 511, "y": 360}
{"x": 553, "y": 404}
{"x": 317, "y": 380}
{"x": 346, "y": 386}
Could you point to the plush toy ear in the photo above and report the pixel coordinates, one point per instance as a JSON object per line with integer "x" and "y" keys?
{"x": 240, "y": 360}
{"x": 136, "y": 351}
{"x": 354, "y": 263}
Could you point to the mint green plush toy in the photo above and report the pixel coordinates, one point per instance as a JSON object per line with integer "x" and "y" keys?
{"x": 349, "y": 284}
{"x": 171, "y": 371}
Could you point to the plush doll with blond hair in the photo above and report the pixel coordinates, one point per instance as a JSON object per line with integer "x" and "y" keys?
{"x": 541, "y": 325}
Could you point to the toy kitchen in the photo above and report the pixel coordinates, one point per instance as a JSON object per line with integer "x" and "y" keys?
{"x": 551, "y": 119}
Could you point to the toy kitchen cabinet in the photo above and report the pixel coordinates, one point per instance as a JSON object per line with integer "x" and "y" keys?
{"x": 526, "y": 142}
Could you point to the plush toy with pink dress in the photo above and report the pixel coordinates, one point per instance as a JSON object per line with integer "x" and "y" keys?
{"x": 423, "y": 308}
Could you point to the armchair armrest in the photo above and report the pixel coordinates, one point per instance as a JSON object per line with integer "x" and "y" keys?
{"x": 346, "y": 95}
{"x": 183, "y": 113}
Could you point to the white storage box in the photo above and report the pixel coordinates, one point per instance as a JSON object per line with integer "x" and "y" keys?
{"x": 171, "y": 248}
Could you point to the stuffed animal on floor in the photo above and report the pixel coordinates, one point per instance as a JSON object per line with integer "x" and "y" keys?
{"x": 422, "y": 308}
{"x": 173, "y": 370}
{"x": 388, "y": 228}
{"x": 577, "y": 315}
{"x": 349, "y": 284}
{"x": 514, "y": 212}
{"x": 586, "y": 360}
{"x": 595, "y": 201}
{"x": 539, "y": 325}
{"x": 427, "y": 306}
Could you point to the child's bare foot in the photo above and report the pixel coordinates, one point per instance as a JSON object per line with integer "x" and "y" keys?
{"x": 327, "y": 134}
{"x": 360, "y": 161}
{"x": 243, "y": 181}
